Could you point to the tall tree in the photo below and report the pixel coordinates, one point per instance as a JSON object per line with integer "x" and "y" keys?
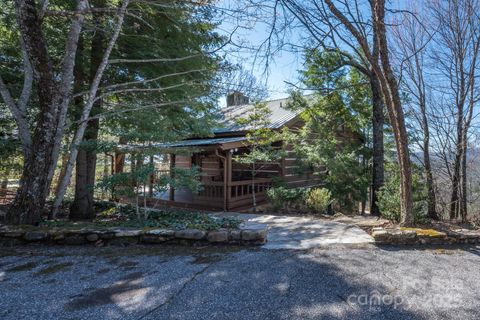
{"x": 53, "y": 88}
{"x": 82, "y": 205}
{"x": 457, "y": 62}
{"x": 384, "y": 72}
{"x": 410, "y": 39}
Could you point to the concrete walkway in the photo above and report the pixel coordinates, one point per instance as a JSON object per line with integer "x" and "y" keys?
{"x": 290, "y": 232}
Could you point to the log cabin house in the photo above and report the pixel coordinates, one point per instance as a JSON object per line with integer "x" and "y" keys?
{"x": 226, "y": 184}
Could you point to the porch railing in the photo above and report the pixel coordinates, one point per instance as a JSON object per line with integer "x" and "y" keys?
{"x": 161, "y": 172}
{"x": 245, "y": 188}
{"x": 6, "y": 196}
{"x": 240, "y": 192}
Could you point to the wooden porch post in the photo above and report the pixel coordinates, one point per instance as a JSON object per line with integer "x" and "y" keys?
{"x": 282, "y": 171}
{"x": 151, "y": 181}
{"x": 228, "y": 182}
{"x": 172, "y": 176}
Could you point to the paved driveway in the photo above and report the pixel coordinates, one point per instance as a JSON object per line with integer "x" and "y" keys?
{"x": 290, "y": 232}
{"x": 164, "y": 282}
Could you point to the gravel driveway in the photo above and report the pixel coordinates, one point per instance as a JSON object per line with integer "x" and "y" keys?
{"x": 164, "y": 282}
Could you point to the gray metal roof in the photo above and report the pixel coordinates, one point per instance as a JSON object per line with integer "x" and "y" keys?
{"x": 199, "y": 142}
{"x": 279, "y": 116}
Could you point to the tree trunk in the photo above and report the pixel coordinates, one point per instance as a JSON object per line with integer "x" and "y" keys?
{"x": 105, "y": 173}
{"x": 454, "y": 199}
{"x": 62, "y": 170}
{"x": 151, "y": 179}
{"x": 172, "y": 176}
{"x": 27, "y": 208}
{"x": 61, "y": 175}
{"x": 29, "y": 202}
{"x": 397, "y": 119}
{"x": 380, "y": 64}
{"x": 378, "y": 120}
{"x": 431, "y": 198}
{"x": 82, "y": 206}
{"x": 53, "y": 100}
{"x": 86, "y": 163}
{"x": 89, "y": 104}
{"x": 463, "y": 178}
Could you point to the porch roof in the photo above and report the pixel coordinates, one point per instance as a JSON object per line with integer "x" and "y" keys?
{"x": 201, "y": 142}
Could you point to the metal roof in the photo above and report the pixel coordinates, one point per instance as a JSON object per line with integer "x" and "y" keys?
{"x": 199, "y": 142}
{"x": 279, "y": 115}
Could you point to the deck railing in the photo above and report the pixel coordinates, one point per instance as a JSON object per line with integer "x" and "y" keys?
{"x": 239, "y": 192}
{"x": 245, "y": 188}
{"x": 6, "y": 196}
{"x": 162, "y": 172}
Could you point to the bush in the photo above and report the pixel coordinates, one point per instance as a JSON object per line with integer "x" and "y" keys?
{"x": 284, "y": 198}
{"x": 318, "y": 200}
{"x": 388, "y": 201}
{"x": 389, "y": 195}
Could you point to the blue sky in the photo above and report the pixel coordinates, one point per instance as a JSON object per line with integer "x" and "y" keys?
{"x": 283, "y": 66}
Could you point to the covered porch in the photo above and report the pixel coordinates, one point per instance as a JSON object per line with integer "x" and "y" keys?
{"x": 214, "y": 195}
{"x": 225, "y": 184}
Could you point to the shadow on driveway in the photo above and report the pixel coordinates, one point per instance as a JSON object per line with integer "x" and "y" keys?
{"x": 218, "y": 283}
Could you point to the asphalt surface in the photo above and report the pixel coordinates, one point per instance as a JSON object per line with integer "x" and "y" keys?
{"x": 164, "y": 282}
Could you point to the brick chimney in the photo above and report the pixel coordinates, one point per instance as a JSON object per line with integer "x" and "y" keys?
{"x": 236, "y": 98}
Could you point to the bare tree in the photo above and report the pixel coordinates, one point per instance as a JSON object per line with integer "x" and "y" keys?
{"x": 456, "y": 53}
{"x": 410, "y": 37}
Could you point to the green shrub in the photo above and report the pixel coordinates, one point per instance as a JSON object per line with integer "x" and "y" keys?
{"x": 285, "y": 198}
{"x": 388, "y": 200}
{"x": 318, "y": 200}
{"x": 389, "y": 195}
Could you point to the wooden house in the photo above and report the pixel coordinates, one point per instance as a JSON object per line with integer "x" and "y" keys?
{"x": 227, "y": 184}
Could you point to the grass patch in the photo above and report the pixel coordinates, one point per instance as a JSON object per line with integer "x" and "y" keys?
{"x": 54, "y": 268}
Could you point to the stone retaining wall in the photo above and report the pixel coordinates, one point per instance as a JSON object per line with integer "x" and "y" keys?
{"x": 256, "y": 235}
{"x": 407, "y": 236}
